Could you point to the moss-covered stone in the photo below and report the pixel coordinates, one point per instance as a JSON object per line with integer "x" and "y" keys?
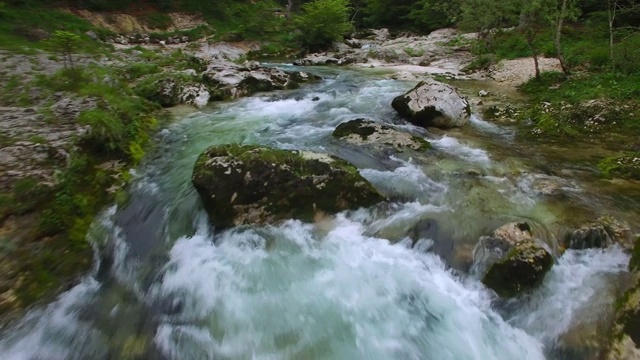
{"x": 257, "y": 185}
{"x": 511, "y": 260}
{"x": 626, "y": 166}
{"x": 625, "y": 333}
{"x": 368, "y": 132}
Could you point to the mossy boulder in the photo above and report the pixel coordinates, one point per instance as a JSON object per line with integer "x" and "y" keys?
{"x": 235, "y": 80}
{"x": 170, "y": 89}
{"x": 602, "y": 233}
{"x": 433, "y": 104}
{"x": 625, "y": 334}
{"x": 368, "y": 132}
{"x": 511, "y": 260}
{"x": 258, "y": 185}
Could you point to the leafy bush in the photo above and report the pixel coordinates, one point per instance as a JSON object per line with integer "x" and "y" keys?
{"x": 158, "y": 21}
{"x": 138, "y": 70}
{"x": 627, "y": 55}
{"x": 323, "y": 22}
{"x": 511, "y": 45}
{"x": 107, "y": 130}
{"x": 481, "y": 62}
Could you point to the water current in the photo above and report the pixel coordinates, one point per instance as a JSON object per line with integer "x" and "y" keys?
{"x": 166, "y": 285}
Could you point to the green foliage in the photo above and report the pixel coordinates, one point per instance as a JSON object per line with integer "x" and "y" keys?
{"x": 626, "y": 166}
{"x": 414, "y": 52}
{"x": 481, "y": 62}
{"x": 510, "y": 45}
{"x": 590, "y": 106}
{"x": 323, "y": 22}
{"x": 627, "y": 55}
{"x": 26, "y": 195}
{"x": 158, "y": 21}
{"x": 107, "y": 131}
{"x": 554, "y": 87}
{"x": 421, "y": 16}
{"x": 140, "y": 69}
{"x": 70, "y": 79}
{"x": 65, "y": 44}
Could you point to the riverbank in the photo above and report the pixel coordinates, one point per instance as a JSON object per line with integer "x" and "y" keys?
{"x": 72, "y": 134}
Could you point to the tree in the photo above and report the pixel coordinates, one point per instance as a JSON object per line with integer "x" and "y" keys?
{"x": 485, "y": 16}
{"x": 288, "y": 9}
{"x": 536, "y": 15}
{"x": 566, "y": 10}
{"x": 615, "y": 8}
{"x": 323, "y": 22}
{"x": 65, "y": 43}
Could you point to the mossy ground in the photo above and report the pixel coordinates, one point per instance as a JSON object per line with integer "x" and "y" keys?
{"x": 53, "y": 252}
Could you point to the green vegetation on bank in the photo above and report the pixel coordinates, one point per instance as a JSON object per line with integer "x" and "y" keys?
{"x": 93, "y": 176}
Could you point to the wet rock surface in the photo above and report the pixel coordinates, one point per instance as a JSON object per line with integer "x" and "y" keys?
{"x": 255, "y": 185}
{"x": 432, "y": 103}
{"x": 367, "y": 132}
{"x": 511, "y": 260}
{"x": 602, "y": 233}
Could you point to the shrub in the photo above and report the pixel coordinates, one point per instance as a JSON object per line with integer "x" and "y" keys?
{"x": 481, "y": 62}
{"x": 138, "y": 70}
{"x": 158, "y": 21}
{"x": 323, "y": 22}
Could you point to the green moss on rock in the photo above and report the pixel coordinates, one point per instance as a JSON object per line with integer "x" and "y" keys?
{"x": 511, "y": 260}
{"x": 368, "y": 132}
{"x": 257, "y": 185}
{"x": 626, "y": 166}
{"x": 360, "y": 127}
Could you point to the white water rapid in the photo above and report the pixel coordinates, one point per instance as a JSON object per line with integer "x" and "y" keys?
{"x": 168, "y": 286}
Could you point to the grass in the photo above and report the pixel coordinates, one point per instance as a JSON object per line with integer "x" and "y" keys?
{"x": 22, "y": 29}
{"x": 584, "y": 86}
{"x": 121, "y": 124}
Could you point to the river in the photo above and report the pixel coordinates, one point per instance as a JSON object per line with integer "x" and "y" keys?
{"x": 168, "y": 286}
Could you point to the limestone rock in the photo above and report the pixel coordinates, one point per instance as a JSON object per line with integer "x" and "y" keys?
{"x": 362, "y": 131}
{"x": 602, "y": 233}
{"x": 257, "y": 185}
{"x": 433, "y": 103}
{"x": 624, "y": 341}
{"x": 511, "y": 260}
{"x": 229, "y": 80}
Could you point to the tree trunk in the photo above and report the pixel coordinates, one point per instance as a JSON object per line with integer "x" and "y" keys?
{"x": 537, "y": 65}
{"x": 556, "y": 40}
{"x": 530, "y": 41}
{"x": 611, "y": 10}
{"x": 289, "y": 7}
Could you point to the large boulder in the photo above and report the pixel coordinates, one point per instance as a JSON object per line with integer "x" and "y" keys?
{"x": 433, "y": 104}
{"x": 258, "y": 185}
{"x": 227, "y": 80}
{"x": 368, "y": 132}
{"x": 511, "y": 260}
{"x": 602, "y": 233}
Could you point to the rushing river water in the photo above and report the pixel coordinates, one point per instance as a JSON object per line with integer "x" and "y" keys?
{"x": 168, "y": 286}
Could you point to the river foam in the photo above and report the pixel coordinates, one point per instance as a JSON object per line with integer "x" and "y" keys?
{"x": 288, "y": 292}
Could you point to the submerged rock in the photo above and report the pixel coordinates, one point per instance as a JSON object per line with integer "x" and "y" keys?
{"x": 511, "y": 260}
{"x": 432, "y": 103}
{"x": 257, "y": 185}
{"x": 602, "y": 233}
{"x": 362, "y": 131}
